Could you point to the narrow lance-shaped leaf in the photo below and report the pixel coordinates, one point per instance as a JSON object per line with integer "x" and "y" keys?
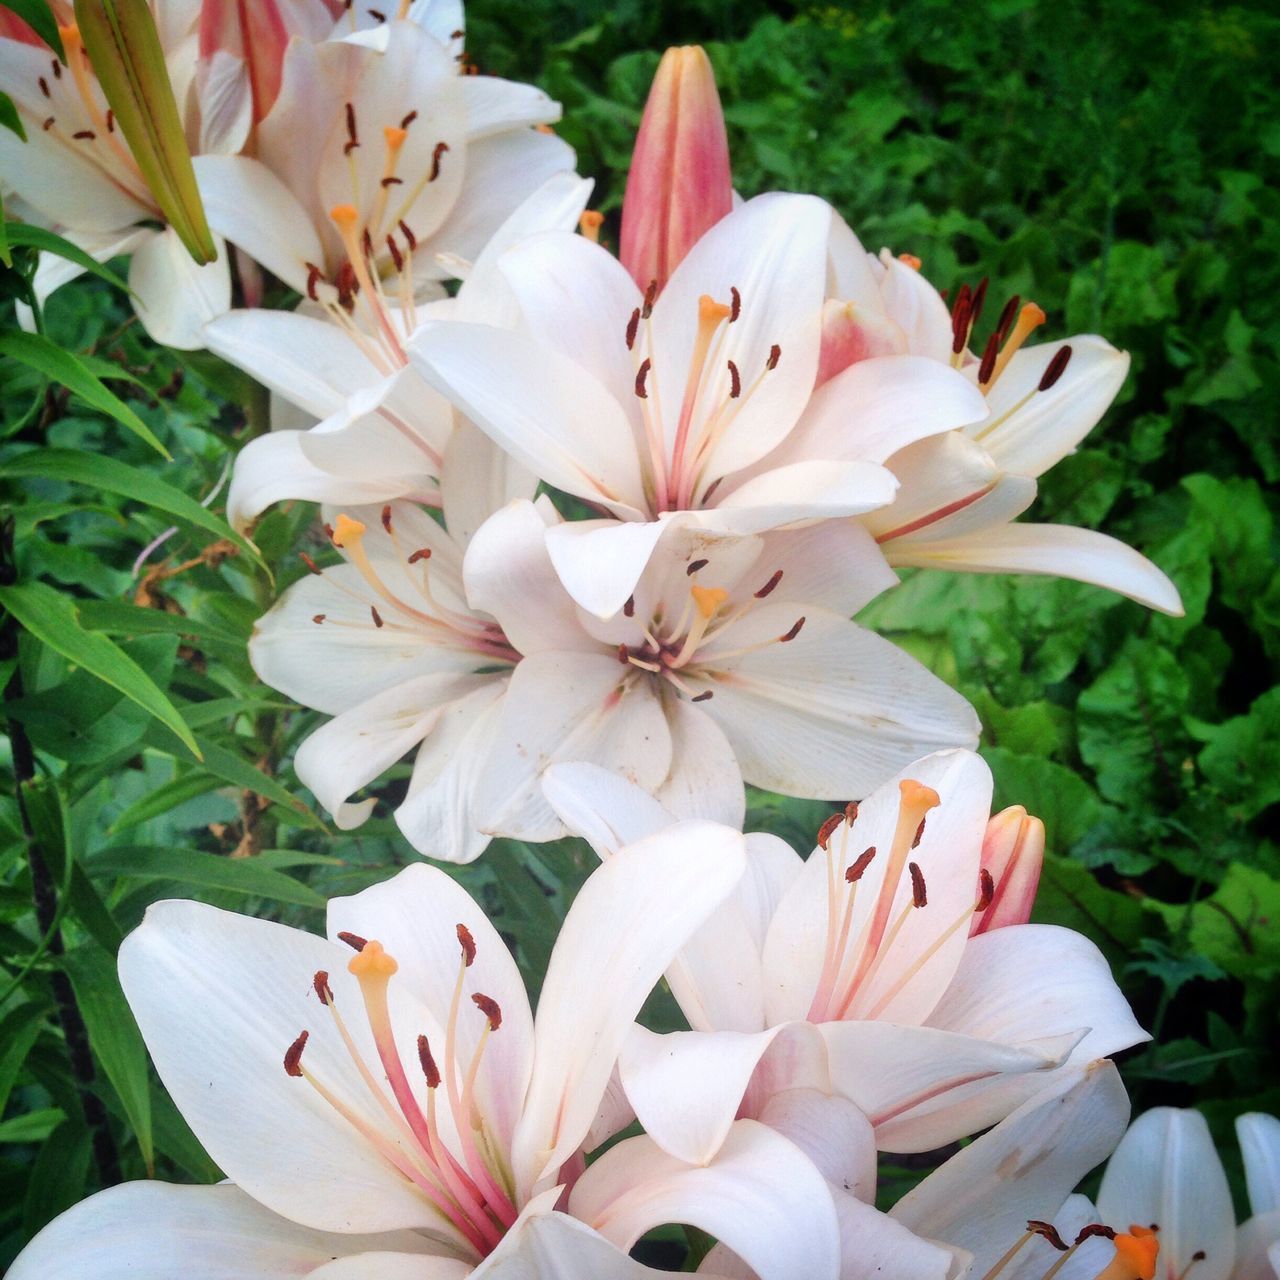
{"x": 124, "y": 48}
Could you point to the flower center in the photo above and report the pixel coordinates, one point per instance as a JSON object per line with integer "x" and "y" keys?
{"x": 465, "y": 1181}
{"x": 1135, "y": 1254}
{"x": 712, "y": 398}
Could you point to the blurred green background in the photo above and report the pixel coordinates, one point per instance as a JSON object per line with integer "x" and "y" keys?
{"x": 1116, "y": 163}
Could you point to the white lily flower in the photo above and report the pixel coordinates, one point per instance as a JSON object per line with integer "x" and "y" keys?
{"x": 377, "y": 158}
{"x": 656, "y": 411}
{"x": 491, "y": 665}
{"x": 854, "y": 973}
{"x": 1166, "y": 1173}
{"x": 383, "y": 433}
{"x": 961, "y": 492}
{"x": 78, "y": 175}
{"x": 406, "y": 1102}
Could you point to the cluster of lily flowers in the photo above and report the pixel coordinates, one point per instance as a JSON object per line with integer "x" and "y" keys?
{"x": 595, "y": 528}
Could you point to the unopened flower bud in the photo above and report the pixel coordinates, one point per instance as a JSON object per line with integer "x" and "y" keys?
{"x": 1012, "y": 854}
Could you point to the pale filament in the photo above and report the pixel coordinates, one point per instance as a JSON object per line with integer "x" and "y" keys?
{"x": 464, "y": 1190}
{"x": 1134, "y": 1258}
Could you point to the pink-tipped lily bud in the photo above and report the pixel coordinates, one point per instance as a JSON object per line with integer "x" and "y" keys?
{"x": 1012, "y": 855}
{"x": 679, "y": 185}
{"x": 852, "y": 332}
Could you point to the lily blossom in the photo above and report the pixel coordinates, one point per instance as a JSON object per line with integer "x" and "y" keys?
{"x": 854, "y": 972}
{"x": 391, "y": 1084}
{"x": 470, "y": 646}
{"x": 78, "y": 175}
{"x": 961, "y": 492}
{"x": 1166, "y": 1172}
{"x": 1012, "y": 856}
{"x": 382, "y": 432}
{"x": 654, "y": 409}
{"x": 376, "y": 159}
{"x": 679, "y": 185}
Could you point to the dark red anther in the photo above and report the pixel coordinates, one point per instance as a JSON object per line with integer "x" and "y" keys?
{"x": 468, "y": 945}
{"x": 633, "y": 327}
{"x": 769, "y": 586}
{"x": 693, "y": 566}
{"x": 317, "y": 618}
{"x": 988, "y": 365}
{"x": 409, "y": 119}
{"x": 490, "y": 1008}
{"x": 321, "y": 985}
{"x": 377, "y": 15}
{"x": 735, "y": 381}
{"x": 960, "y": 327}
{"x": 1047, "y": 1231}
{"x": 44, "y": 87}
{"x": 366, "y": 243}
{"x": 1055, "y": 368}
{"x": 775, "y": 354}
{"x": 376, "y": 616}
{"x": 711, "y": 488}
{"x": 111, "y": 121}
{"x": 328, "y": 531}
{"x": 428, "y": 1063}
{"x": 624, "y": 655}
{"x": 293, "y": 1056}
{"x": 409, "y": 238}
{"x": 386, "y": 517}
{"x": 735, "y": 303}
{"x": 309, "y": 562}
{"x": 629, "y": 609}
{"x": 975, "y": 305}
{"x": 641, "y": 374}
{"x": 422, "y": 553}
{"x": 57, "y": 68}
{"x": 440, "y": 149}
{"x": 964, "y": 297}
{"x": 918, "y": 896}
{"x": 705, "y": 696}
{"x": 84, "y": 135}
{"x": 649, "y": 295}
{"x": 795, "y": 630}
{"x": 1095, "y": 1229}
{"x": 392, "y": 181}
{"x": 314, "y": 276}
{"x": 986, "y": 890}
{"x": 48, "y": 123}
{"x": 851, "y": 812}
{"x": 858, "y": 868}
{"x": 353, "y": 139}
{"x": 1198, "y": 1256}
{"x": 347, "y": 285}
{"x": 354, "y": 941}
{"x": 827, "y": 830}
{"x": 396, "y": 256}
{"x": 1007, "y": 317}
{"x": 915, "y": 843}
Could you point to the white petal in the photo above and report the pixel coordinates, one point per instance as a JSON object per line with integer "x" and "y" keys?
{"x": 569, "y": 706}
{"x": 495, "y": 105}
{"x": 873, "y": 1246}
{"x": 362, "y": 743}
{"x": 804, "y": 491}
{"x": 545, "y": 409}
{"x": 832, "y": 1132}
{"x": 1061, "y": 550}
{"x": 415, "y": 915}
{"x": 246, "y": 202}
{"x": 272, "y": 468}
{"x": 554, "y": 1246}
{"x": 1166, "y": 1171}
{"x": 760, "y": 1196}
{"x": 1259, "y": 1137}
{"x": 917, "y": 308}
{"x": 175, "y": 298}
{"x": 509, "y": 574}
{"x": 832, "y": 563}
{"x": 844, "y": 707}
{"x": 383, "y": 1265}
{"x": 773, "y": 251}
{"x": 1258, "y": 1248}
{"x": 53, "y": 270}
{"x": 704, "y": 780}
{"x": 219, "y": 998}
{"x": 1024, "y": 1168}
{"x": 600, "y": 562}
{"x": 603, "y": 808}
{"x": 621, "y": 932}
{"x": 155, "y": 1231}
{"x": 1030, "y": 430}
{"x": 439, "y": 815}
{"x": 478, "y": 478}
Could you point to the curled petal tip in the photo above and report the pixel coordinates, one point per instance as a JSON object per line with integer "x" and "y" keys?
{"x": 1012, "y": 856}
{"x": 679, "y": 185}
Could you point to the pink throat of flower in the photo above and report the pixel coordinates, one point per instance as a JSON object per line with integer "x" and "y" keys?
{"x": 713, "y": 395}
{"x": 465, "y": 1182}
{"x": 854, "y": 960}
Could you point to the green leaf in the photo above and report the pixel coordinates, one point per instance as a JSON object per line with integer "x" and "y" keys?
{"x": 46, "y": 357}
{"x": 114, "y": 476}
{"x": 206, "y": 871}
{"x": 1242, "y": 758}
{"x": 163, "y": 798}
{"x": 18, "y": 1032}
{"x": 52, "y": 619}
{"x": 59, "y": 1176}
{"x": 34, "y": 1126}
{"x": 1070, "y": 896}
{"x": 123, "y": 619}
{"x": 10, "y": 120}
{"x": 39, "y": 17}
{"x": 114, "y": 1037}
{"x": 33, "y": 237}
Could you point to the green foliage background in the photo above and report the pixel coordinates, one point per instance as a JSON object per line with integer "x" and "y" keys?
{"x": 1118, "y": 164}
